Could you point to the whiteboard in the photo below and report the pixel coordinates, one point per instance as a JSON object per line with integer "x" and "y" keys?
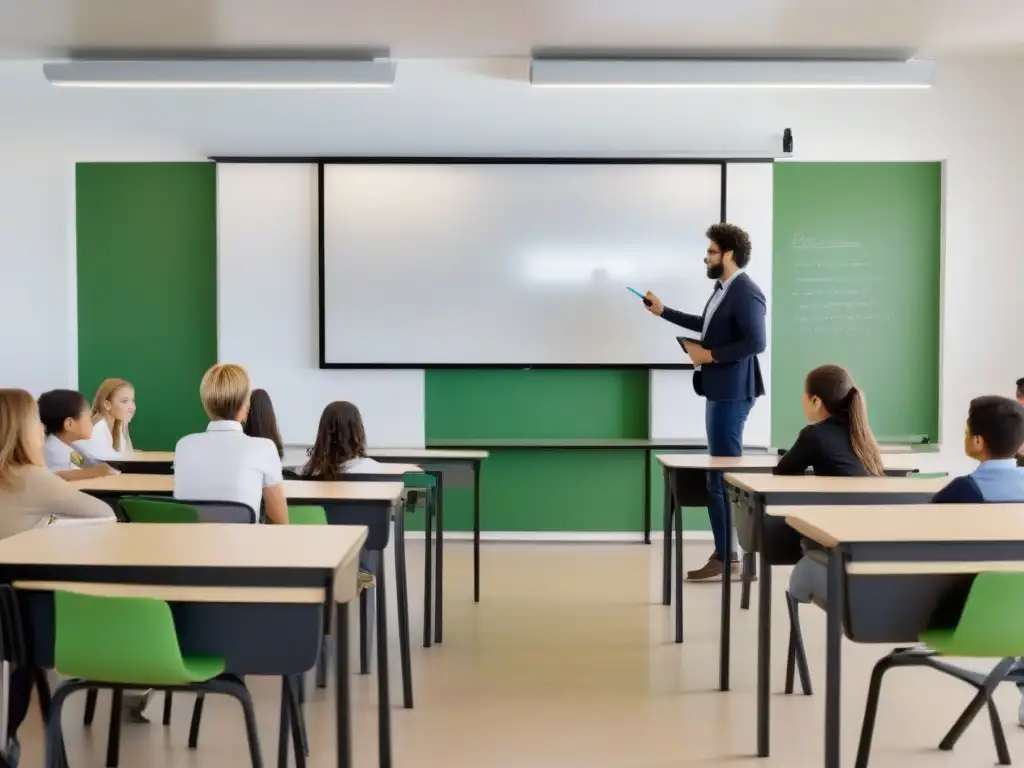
{"x": 511, "y": 264}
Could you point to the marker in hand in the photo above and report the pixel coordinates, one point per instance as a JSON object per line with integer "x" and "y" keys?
{"x": 646, "y": 301}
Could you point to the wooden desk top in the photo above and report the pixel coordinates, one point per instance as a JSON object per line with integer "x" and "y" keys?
{"x": 395, "y": 470}
{"x": 911, "y": 523}
{"x": 766, "y": 483}
{"x": 892, "y": 462}
{"x": 295, "y": 490}
{"x": 209, "y": 545}
{"x": 170, "y": 593}
{"x": 426, "y": 454}
{"x": 148, "y": 457}
{"x": 568, "y": 443}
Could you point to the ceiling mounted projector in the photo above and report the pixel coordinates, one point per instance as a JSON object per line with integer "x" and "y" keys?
{"x": 564, "y": 72}
{"x": 222, "y": 73}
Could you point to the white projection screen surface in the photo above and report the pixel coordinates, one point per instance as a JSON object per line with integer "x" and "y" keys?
{"x": 511, "y": 264}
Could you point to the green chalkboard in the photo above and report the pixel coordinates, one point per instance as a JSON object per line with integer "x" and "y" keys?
{"x": 147, "y": 288}
{"x": 856, "y": 281}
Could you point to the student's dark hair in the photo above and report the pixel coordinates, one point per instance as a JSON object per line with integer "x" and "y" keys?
{"x": 261, "y": 421}
{"x": 1020, "y": 387}
{"x": 833, "y": 385}
{"x": 729, "y": 237}
{"x": 340, "y": 438}
{"x": 58, "y": 405}
{"x": 999, "y": 421}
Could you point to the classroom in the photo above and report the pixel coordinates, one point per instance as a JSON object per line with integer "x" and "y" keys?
{"x": 419, "y": 228}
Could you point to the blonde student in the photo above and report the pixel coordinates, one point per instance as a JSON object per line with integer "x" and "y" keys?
{"x": 30, "y": 495}
{"x": 223, "y": 463}
{"x": 112, "y": 411}
{"x": 67, "y": 419}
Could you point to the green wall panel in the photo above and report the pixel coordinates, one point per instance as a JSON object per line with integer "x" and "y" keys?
{"x": 536, "y": 403}
{"x": 856, "y": 281}
{"x": 147, "y": 288}
{"x": 562, "y": 490}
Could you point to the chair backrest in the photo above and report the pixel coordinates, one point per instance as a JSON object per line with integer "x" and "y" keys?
{"x": 141, "y": 509}
{"x": 116, "y": 640}
{"x": 307, "y": 515}
{"x": 992, "y": 622}
{"x": 146, "y": 509}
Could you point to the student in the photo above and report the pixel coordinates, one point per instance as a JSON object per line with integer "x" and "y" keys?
{"x": 30, "y": 496}
{"x": 261, "y": 421}
{"x": 340, "y": 446}
{"x": 67, "y": 419}
{"x": 223, "y": 463}
{"x": 112, "y": 411}
{"x": 1020, "y": 399}
{"x": 340, "y": 449}
{"x": 837, "y": 442}
{"x": 993, "y": 436}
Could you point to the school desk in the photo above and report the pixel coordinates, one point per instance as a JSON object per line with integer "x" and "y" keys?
{"x": 685, "y": 479}
{"x": 760, "y": 528}
{"x": 346, "y": 503}
{"x": 435, "y": 461}
{"x": 890, "y": 568}
{"x": 252, "y": 594}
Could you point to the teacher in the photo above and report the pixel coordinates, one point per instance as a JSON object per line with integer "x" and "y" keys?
{"x": 727, "y": 372}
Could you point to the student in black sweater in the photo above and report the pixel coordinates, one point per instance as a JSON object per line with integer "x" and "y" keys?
{"x": 837, "y": 442}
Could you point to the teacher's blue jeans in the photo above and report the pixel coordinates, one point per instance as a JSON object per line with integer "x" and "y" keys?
{"x": 724, "y": 421}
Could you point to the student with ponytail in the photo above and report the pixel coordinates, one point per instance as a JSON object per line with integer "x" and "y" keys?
{"x": 837, "y": 442}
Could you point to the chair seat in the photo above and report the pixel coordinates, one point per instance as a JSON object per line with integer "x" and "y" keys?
{"x": 940, "y": 640}
{"x": 203, "y": 668}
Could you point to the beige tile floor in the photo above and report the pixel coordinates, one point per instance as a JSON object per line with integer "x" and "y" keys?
{"x": 568, "y": 662}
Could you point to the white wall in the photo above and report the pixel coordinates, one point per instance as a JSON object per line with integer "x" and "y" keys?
{"x": 970, "y": 120}
{"x": 267, "y": 310}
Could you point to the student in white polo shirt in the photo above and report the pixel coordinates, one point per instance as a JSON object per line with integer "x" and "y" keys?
{"x": 67, "y": 419}
{"x": 223, "y": 463}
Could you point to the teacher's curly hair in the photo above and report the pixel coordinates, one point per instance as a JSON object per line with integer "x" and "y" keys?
{"x": 729, "y": 237}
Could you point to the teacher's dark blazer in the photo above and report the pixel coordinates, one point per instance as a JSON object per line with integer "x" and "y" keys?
{"x": 736, "y": 336}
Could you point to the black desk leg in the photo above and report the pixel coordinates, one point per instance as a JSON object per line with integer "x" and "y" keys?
{"x": 647, "y": 496}
{"x": 342, "y": 701}
{"x": 439, "y": 573}
{"x": 402, "y": 592}
{"x": 678, "y": 518}
{"x": 764, "y": 658}
{"x": 383, "y": 683}
{"x": 724, "y": 640}
{"x": 284, "y": 730}
{"x": 746, "y": 577}
{"x": 833, "y": 657}
{"x": 428, "y": 568}
{"x": 477, "y": 466}
{"x": 668, "y": 505}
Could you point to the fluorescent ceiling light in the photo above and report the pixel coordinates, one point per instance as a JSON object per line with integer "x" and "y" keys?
{"x": 222, "y": 73}
{"x": 721, "y": 73}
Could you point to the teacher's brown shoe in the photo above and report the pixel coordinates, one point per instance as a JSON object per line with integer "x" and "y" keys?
{"x": 712, "y": 571}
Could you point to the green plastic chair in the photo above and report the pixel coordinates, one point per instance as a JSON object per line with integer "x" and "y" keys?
{"x": 928, "y": 475}
{"x": 306, "y": 515}
{"x": 129, "y": 640}
{"x": 139, "y": 509}
{"x": 130, "y": 643}
{"x": 991, "y": 625}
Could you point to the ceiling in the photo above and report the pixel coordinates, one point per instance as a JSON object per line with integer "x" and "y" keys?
{"x": 495, "y": 28}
